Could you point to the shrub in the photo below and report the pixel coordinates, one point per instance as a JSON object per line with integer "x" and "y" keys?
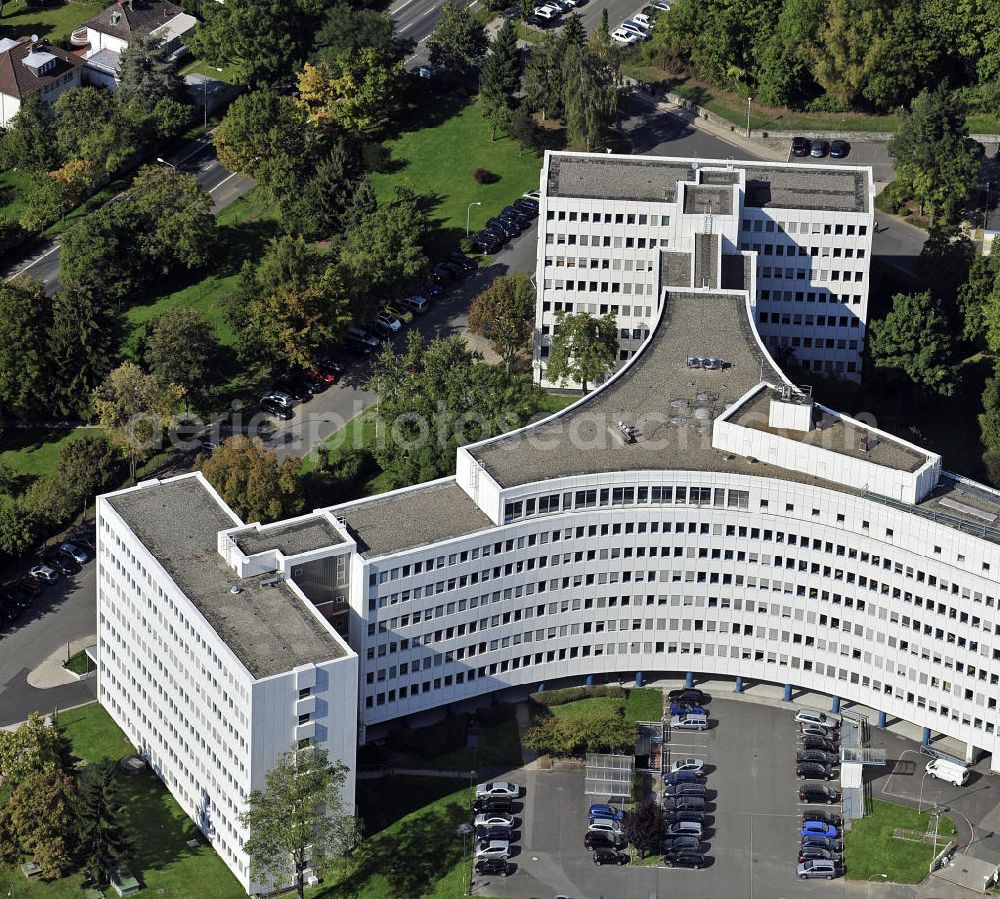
{"x": 549, "y": 698}
{"x": 484, "y": 176}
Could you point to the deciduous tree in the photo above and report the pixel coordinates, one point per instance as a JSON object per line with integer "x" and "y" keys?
{"x": 584, "y": 348}
{"x": 90, "y": 124}
{"x": 88, "y": 465}
{"x": 504, "y": 313}
{"x": 458, "y": 41}
{"x": 252, "y": 481}
{"x": 914, "y": 338}
{"x": 34, "y": 747}
{"x": 134, "y": 408}
{"x": 346, "y": 29}
{"x": 102, "y": 822}
{"x": 146, "y": 75}
{"x": 848, "y": 47}
{"x": 181, "y": 349}
{"x": 356, "y": 91}
{"x": 298, "y": 819}
{"x": 42, "y": 812}
{"x": 30, "y": 141}
{"x": 644, "y": 826}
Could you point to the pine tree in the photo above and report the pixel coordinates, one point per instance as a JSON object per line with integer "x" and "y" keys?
{"x": 103, "y": 829}
{"x": 500, "y": 78}
{"x": 543, "y": 79}
{"x": 573, "y": 33}
{"x": 145, "y": 76}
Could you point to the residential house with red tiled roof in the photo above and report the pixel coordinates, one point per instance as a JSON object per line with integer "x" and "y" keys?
{"x": 32, "y": 66}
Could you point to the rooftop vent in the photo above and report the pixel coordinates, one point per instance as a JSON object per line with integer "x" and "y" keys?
{"x": 234, "y": 589}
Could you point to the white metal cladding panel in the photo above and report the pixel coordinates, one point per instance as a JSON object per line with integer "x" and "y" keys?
{"x": 879, "y": 647}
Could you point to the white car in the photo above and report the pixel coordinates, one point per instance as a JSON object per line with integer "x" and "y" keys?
{"x": 547, "y": 13}
{"x": 661, "y": 4}
{"x": 494, "y": 819}
{"x": 498, "y": 788}
{"x": 644, "y": 21}
{"x": 635, "y": 27}
{"x": 44, "y": 573}
{"x": 696, "y": 765}
{"x": 532, "y": 194}
{"x": 808, "y": 716}
{"x": 279, "y": 397}
{"x": 625, "y": 37}
{"x": 605, "y": 825}
{"x": 493, "y": 849}
{"x": 75, "y": 552}
{"x": 389, "y": 321}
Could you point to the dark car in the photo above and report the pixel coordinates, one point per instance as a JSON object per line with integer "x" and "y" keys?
{"x": 602, "y": 839}
{"x": 470, "y": 265}
{"x": 817, "y": 793}
{"x": 457, "y": 271}
{"x": 683, "y": 843}
{"x": 814, "y": 853}
{"x": 442, "y": 275}
{"x": 800, "y": 146}
{"x": 485, "y": 242}
{"x": 518, "y": 215}
{"x": 827, "y": 843}
{"x": 686, "y": 789}
{"x": 674, "y": 804}
{"x": 825, "y": 817}
{"x": 683, "y": 815}
{"x": 527, "y": 205}
{"x": 606, "y": 856}
{"x": 687, "y": 708}
{"x": 430, "y": 290}
{"x": 689, "y": 695}
{"x": 9, "y": 613}
{"x": 814, "y": 771}
{"x": 819, "y": 148}
{"x": 276, "y": 410}
{"x": 331, "y": 366}
{"x": 818, "y": 757}
{"x": 496, "y": 832}
{"x": 29, "y": 585}
{"x": 820, "y": 744}
{"x": 495, "y": 227}
{"x": 494, "y": 866}
{"x": 65, "y": 565}
{"x": 839, "y": 149}
{"x": 693, "y": 860}
{"x": 14, "y": 597}
{"x": 673, "y": 778}
{"x": 298, "y": 388}
{"x": 496, "y": 804}
{"x": 506, "y": 226}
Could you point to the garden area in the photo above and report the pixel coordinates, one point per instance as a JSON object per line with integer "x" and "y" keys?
{"x": 892, "y": 841}
{"x": 53, "y": 21}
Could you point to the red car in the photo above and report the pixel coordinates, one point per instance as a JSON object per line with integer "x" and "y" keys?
{"x": 331, "y": 367}
{"x": 29, "y": 585}
{"x": 322, "y": 379}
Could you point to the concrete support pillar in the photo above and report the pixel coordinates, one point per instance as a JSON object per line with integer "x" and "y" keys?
{"x": 970, "y": 754}
{"x": 739, "y": 685}
{"x": 788, "y": 693}
{"x": 925, "y": 739}
{"x": 590, "y": 680}
{"x": 541, "y": 687}
{"x": 835, "y": 705}
{"x": 689, "y": 679}
{"x": 638, "y": 678}
{"x": 882, "y": 719}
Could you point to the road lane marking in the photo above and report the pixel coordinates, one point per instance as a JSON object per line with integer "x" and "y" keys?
{"x": 34, "y": 262}
{"x": 223, "y": 181}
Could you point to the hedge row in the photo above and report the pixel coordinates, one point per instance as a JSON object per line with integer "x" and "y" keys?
{"x": 549, "y": 698}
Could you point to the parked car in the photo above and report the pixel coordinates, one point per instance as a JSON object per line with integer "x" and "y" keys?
{"x": 688, "y": 764}
{"x": 689, "y": 721}
{"x": 682, "y": 708}
{"x": 533, "y": 194}
{"x": 672, "y": 778}
{"x": 279, "y": 398}
{"x": 492, "y": 849}
{"x": 808, "y": 716}
{"x": 494, "y": 819}
{"x": 331, "y": 365}
{"x": 661, "y": 5}
{"x": 627, "y": 38}
{"x": 819, "y": 148}
{"x": 635, "y": 27}
{"x": 643, "y": 20}
{"x": 415, "y": 304}
{"x": 28, "y": 584}
{"x": 495, "y": 805}
{"x": 682, "y": 815}
{"x": 820, "y": 743}
{"x": 65, "y": 565}
{"x": 817, "y": 793}
{"x": 818, "y": 756}
{"x": 683, "y": 829}
{"x": 693, "y": 860}
{"x": 824, "y": 816}
{"x": 313, "y": 381}
{"x": 485, "y": 242}
{"x": 597, "y": 839}
{"x": 494, "y": 227}
{"x": 604, "y": 824}
{"x": 812, "y": 853}
{"x": 518, "y": 215}
{"x": 44, "y": 573}
{"x": 800, "y": 146}
{"x": 839, "y": 149}
{"x": 688, "y": 789}
{"x": 9, "y": 613}
{"x": 492, "y": 867}
{"x": 827, "y": 843}
{"x": 528, "y": 207}
{"x": 603, "y": 810}
{"x": 682, "y": 844}
{"x": 814, "y": 730}
{"x": 282, "y": 413}
{"x": 511, "y": 229}
{"x": 814, "y": 771}
{"x": 494, "y": 833}
{"x": 14, "y": 597}
{"x": 501, "y": 788}
{"x": 299, "y": 387}
{"x": 75, "y": 552}
{"x": 361, "y": 341}
{"x": 460, "y": 259}
{"x": 675, "y": 804}
{"x": 545, "y": 15}
{"x": 320, "y": 376}
{"x": 814, "y": 868}
{"x": 690, "y": 695}
{"x": 604, "y": 855}
{"x": 819, "y": 829}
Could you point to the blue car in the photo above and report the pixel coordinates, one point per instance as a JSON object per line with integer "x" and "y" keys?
{"x": 603, "y": 810}
{"x": 681, "y": 777}
{"x": 818, "y": 829}
{"x": 682, "y": 708}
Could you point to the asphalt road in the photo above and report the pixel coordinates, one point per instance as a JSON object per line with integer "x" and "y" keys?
{"x": 198, "y": 158}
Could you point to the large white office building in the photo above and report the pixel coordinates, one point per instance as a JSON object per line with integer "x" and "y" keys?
{"x": 684, "y": 518}
{"x": 616, "y": 230}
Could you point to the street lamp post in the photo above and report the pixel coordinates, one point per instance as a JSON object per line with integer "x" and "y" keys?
{"x": 468, "y": 216}
{"x": 749, "y": 98}
{"x": 464, "y": 830}
{"x": 161, "y": 159}
{"x": 920, "y": 798}
{"x": 873, "y": 877}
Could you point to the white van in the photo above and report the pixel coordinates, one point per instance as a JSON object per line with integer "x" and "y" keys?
{"x": 948, "y": 771}
{"x": 689, "y": 721}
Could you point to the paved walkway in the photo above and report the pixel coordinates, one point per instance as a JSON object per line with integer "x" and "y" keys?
{"x": 50, "y": 673}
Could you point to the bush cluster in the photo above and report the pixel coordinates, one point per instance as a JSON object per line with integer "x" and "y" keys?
{"x": 549, "y": 698}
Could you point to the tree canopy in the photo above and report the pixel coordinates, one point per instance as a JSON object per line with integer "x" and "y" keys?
{"x": 583, "y": 349}
{"x": 24, "y": 318}
{"x": 504, "y": 313}
{"x": 458, "y": 41}
{"x": 251, "y": 480}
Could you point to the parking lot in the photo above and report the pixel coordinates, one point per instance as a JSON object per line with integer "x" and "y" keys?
{"x": 754, "y": 818}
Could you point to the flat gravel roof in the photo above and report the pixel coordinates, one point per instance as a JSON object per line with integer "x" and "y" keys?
{"x": 266, "y": 625}
{"x": 289, "y": 538}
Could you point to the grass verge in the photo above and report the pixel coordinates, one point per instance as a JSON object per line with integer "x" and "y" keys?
{"x": 200, "y": 67}
{"x": 889, "y": 841}
{"x": 54, "y": 21}
{"x": 79, "y": 663}
{"x": 35, "y": 452}
{"x": 163, "y": 861}
{"x": 15, "y": 185}
{"x": 460, "y": 134}
{"x": 641, "y": 704}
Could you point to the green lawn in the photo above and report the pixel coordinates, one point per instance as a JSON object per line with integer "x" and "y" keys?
{"x": 200, "y": 67}
{"x": 244, "y": 229}
{"x": 163, "y": 862}
{"x": 871, "y": 846}
{"x": 14, "y": 189}
{"x": 439, "y": 158}
{"x": 55, "y": 21}
{"x": 79, "y": 663}
{"x": 642, "y": 704}
{"x": 36, "y": 452}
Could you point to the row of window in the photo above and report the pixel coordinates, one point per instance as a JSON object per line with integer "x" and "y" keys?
{"x": 608, "y": 218}
{"x": 771, "y": 227}
{"x": 809, "y": 296}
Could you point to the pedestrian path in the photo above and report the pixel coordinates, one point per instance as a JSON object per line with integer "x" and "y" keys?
{"x": 50, "y": 673}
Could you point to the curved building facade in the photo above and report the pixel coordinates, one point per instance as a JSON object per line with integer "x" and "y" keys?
{"x": 696, "y": 513}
